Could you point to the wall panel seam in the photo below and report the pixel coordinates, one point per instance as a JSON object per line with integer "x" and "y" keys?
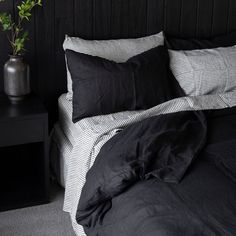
{"x": 181, "y": 16}
{"x": 228, "y": 15}
{"x": 197, "y": 19}
{"x": 212, "y": 17}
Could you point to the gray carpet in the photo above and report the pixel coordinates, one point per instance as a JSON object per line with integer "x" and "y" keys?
{"x": 43, "y": 220}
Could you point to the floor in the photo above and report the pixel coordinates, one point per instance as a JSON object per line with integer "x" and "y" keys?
{"x": 43, "y": 220}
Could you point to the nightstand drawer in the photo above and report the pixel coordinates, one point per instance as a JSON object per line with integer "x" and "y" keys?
{"x": 21, "y": 132}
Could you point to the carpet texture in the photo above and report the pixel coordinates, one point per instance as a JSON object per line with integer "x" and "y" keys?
{"x": 43, "y": 220}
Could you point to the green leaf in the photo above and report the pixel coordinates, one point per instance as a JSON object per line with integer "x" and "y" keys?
{"x": 5, "y": 20}
{"x": 26, "y": 7}
{"x": 19, "y": 44}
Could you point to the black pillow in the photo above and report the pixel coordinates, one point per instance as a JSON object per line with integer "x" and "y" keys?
{"x": 101, "y": 86}
{"x": 192, "y": 44}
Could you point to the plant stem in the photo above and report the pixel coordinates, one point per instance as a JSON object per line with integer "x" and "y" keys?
{"x": 16, "y": 31}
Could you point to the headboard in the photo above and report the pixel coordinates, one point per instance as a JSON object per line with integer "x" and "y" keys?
{"x": 106, "y": 19}
{"x": 109, "y": 19}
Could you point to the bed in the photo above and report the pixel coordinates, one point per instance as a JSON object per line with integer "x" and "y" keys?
{"x": 118, "y": 183}
{"x": 96, "y": 131}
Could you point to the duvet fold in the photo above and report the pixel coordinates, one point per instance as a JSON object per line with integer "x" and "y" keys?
{"x": 161, "y": 147}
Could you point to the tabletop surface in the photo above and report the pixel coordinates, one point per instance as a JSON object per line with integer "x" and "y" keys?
{"x": 30, "y": 107}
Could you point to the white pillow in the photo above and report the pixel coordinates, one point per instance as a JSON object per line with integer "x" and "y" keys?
{"x": 205, "y": 71}
{"x": 119, "y": 50}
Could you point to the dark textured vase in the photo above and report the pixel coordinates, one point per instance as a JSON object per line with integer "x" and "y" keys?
{"x": 16, "y": 79}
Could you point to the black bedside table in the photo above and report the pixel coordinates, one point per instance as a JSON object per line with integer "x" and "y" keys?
{"x": 24, "y": 164}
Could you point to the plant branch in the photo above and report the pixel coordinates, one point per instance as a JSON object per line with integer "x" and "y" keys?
{"x": 18, "y": 35}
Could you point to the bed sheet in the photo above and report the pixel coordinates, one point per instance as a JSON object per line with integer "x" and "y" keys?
{"x": 65, "y": 119}
{"x": 60, "y": 151}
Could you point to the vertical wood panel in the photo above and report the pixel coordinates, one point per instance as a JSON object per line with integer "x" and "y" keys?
{"x": 64, "y": 21}
{"x": 44, "y": 36}
{"x": 232, "y": 16}
{"x": 83, "y": 17}
{"x": 129, "y": 18}
{"x": 119, "y": 19}
{"x": 172, "y": 16}
{"x": 155, "y": 16}
{"x": 64, "y": 24}
{"x": 102, "y": 19}
{"x": 4, "y": 44}
{"x": 188, "y": 21}
{"x": 220, "y": 17}
{"x": 30, "y": 53}
{"x": 205, "y": 18}
{"x": 137, "y": 18}
{"x": 45, "y": 56}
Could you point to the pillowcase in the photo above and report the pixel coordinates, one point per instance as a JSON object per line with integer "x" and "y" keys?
{"x": 192, "y": 44}
{"x": 206, "y": 71}
{"x": 116, "y": 50}
{"x": 102, "y": 87}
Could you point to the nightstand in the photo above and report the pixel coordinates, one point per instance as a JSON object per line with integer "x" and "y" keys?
{"x": 24, "y": 163}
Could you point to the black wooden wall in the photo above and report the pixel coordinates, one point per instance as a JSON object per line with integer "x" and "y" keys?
{"x": 105, "y": 19}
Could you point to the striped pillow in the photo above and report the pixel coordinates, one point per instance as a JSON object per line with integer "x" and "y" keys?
{"x": 206, "y": 71}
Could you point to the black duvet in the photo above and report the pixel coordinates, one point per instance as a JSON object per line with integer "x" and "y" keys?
{"x": 173, "y": 174}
